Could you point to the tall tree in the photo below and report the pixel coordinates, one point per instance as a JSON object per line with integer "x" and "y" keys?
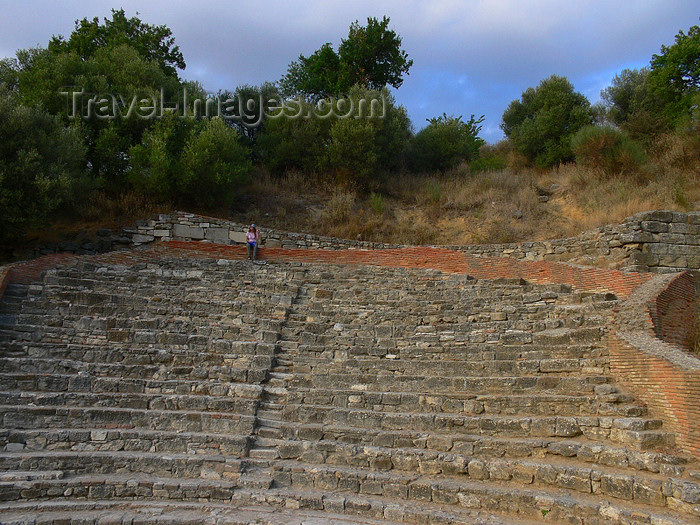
{"x": 39, "y": 160}
{"x": 119, "y": 62}
{"x": 542, "y": 122}
{"x": 371, "y": 57}
{"x": 675, "y": 73}
{"x": 632, "y": 104}
{"x": 154, "y": 43}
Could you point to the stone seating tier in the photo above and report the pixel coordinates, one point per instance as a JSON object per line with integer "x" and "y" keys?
{"x": 196, "y": 390}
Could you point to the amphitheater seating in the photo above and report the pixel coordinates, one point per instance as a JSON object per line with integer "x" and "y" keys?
{"x": 183, "y": 390}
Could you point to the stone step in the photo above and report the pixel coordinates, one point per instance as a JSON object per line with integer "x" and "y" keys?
{"x": 615, "y": 481}
{"x": 465, "y": 385}
{"x": 196, "y": 350}
{"x": 523, "y": 501}
{"x": 272, "y": 507}
{"x": 85, "y": 383}
{"x": 536, "y": 404}
{"x": 458, "y": 441}
{"x": 27, "y": 475}
{"x": 95, "y": 462}
{"x": 116, "y": 439}
{"x": 264, "y": 453}
{"x": 38, "y": 417}
{"x": 127, "y": 486}
{"x": 251, "y": 371}
{"x": 200, "y": 403}
{"x": 467, "y": 351}
{"x": 196, "y": 337}
{"x": 636, "y": 431}
{"x": 456, "y": 368}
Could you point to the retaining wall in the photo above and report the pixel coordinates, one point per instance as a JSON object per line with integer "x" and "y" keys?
{"x": 656, "y": 241}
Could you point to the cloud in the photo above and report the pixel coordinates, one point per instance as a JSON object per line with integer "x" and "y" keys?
{"x": 470, "y": 57}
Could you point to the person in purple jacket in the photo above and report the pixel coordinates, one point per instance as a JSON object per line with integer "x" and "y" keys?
{"x": 252, "y": 239}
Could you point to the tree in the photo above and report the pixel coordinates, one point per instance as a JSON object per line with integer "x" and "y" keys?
{"x": 289, "y": 141}
{"x": 675, "y": 73}
{"x": 314, "y": 77}
{"x": 119, "y": 61}
{"x": 153, "y": 43}
{"x": 631, "y": 104}
{"x": 247, "y": 110}
{"x": 39, "y": 161}
{"x": 542, "y": 122}
{"x": 156, "y": 162}
{"x": 371, "y": 57}
{"x": 369, "y": 139}
{"x": 445, "y": 142}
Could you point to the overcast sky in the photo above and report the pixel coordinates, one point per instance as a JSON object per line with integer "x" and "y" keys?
{"x": 470, "y": 56}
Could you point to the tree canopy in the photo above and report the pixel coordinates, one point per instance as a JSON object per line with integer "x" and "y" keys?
{"x": 675, "y": 72}
{"x": 153, "y": 43}
{"x": 371, "y": 57}
{"x": 542, "y": 122}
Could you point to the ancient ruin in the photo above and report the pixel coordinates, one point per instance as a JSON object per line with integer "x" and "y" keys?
{"x": 343, "y": 382}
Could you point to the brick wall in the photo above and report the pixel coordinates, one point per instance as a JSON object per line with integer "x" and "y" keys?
{"x": 646, "y": 356}
{"x": 673, "y": 311}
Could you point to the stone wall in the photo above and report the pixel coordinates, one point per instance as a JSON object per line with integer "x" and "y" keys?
{"x": 655, "y": 241}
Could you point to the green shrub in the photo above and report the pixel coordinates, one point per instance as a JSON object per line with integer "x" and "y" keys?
{"x": 40, "y": 160}
{"x": 607, "y": 150}
{"x": 156, "y": 161}
{"x": 377, "y": 203}
{"x": 214, "y": 166}
{"x": 445, "y": 142}
{"x": 542, "y": 122}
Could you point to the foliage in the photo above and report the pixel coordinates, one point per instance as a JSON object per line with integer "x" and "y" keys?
{"x": 39, "y": 160}
{"x": 247, "y": 110}
{"x": 214, "y": 166}
{"x": 377, "y": 203}
{"x": 445, "y": 142}
{"x": 371, "y": 57}
{"x": 315, "y": 76}
{"x": 292, "y": 142}
{"x": 608, "y": 150}
{"x": 373, "y": 138}
{"x": 631, "y": 104}
{"x": 354, "y": 139}
{"x": 153, "y": 43}
{"x": 542, "y": 122}
{"x": 675, "y": 73}
{"x": 115, "y": 63}
{"x": 156, "y": 161}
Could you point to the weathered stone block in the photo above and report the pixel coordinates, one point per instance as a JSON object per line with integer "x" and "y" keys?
{"x": 188, "y": 232}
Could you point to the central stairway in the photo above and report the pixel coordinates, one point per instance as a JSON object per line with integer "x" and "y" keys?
{"x": 198, "y": 390}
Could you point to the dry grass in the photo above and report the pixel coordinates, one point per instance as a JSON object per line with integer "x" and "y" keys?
{"x": 461, "y": 207}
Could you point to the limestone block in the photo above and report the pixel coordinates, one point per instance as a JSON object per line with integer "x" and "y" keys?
{"x": 237, "y": 236}
{"x": 140, "y": 238}
{"x": 218, "y": 235}
{"x": 188, "y": 232}
{"x": 655, "y": 226}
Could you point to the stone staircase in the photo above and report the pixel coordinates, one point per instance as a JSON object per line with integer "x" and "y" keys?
{"x": 202, "y": 390}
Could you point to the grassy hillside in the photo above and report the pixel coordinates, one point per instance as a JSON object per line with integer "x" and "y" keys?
{"x": 460, "y": 207}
